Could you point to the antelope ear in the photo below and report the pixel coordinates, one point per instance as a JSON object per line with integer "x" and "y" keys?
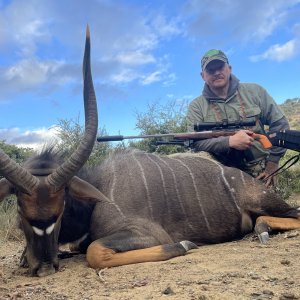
{"x": 82, "y": 190}
{"x": 6, "y": 188}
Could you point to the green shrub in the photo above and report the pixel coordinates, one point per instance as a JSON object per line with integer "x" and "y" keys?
{"x": 289, "y": 180}
{"x": 70, "y": 134}
{"x": 161, "y": 119}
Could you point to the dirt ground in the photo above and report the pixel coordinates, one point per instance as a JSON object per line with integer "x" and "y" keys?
{"x": 237, "y": 270}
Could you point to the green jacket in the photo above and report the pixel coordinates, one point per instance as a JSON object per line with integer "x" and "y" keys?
{"x": 244, "y": 100}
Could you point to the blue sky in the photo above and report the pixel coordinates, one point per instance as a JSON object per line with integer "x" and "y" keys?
{"x": 142, "y": 51}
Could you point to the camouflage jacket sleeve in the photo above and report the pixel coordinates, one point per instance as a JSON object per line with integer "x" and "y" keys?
{"x": 215, "y": 145}
{"x": 274, "y": 117}
{"x": 271, "y": 112}
{"x": 194, "y": 114}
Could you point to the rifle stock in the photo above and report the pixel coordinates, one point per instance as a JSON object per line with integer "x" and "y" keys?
{"x": 264, "y": 141}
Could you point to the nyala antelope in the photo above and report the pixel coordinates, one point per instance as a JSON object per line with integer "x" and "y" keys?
{"x": 134, "y": 207}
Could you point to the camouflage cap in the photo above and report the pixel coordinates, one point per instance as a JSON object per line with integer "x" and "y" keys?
{"x": 211, "y": 55}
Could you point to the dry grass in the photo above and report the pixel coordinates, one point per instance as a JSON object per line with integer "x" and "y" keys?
{"x": 8, "y": 221}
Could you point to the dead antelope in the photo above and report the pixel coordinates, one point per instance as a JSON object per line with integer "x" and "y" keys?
{"x": 135, "y": 207}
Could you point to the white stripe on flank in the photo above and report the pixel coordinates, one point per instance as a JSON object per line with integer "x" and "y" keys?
{"x": 196, "y": 191}
{"x": 112, "y": 189}
{"x": 231, "y": 190}
{"x": 177, "y": 193}
{"x": 145, "y": 184}
{"x": 38, "y": 231}
{"x": 161, "y": 177}
{"x": 111, "y": 194}
{"x": 243, "y": 178}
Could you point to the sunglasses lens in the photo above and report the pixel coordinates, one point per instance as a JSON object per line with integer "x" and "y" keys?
{"x": 215, "y": 67}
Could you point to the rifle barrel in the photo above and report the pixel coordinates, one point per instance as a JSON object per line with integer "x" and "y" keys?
{"x": 180, "y": 136}
{"x": 114, "y": 138}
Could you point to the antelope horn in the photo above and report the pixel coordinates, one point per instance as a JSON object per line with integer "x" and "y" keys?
{"x": 69, "y": 168}
{"x": 16, "y": 174}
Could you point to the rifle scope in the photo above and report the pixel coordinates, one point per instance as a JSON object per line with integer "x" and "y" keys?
{"x": 225, "y": 124}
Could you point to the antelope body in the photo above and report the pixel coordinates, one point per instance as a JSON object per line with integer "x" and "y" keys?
{"x": 135, "y": 206}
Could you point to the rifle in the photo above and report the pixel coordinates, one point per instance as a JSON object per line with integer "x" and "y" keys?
{"x": 289, "y": 139}
{"x": 186, "y": 139}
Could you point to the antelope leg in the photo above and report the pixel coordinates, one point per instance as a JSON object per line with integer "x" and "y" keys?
{"x": 265, "y": 224}
{"x": 100, "y": 256}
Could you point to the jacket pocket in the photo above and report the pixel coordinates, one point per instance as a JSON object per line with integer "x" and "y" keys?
{"x": 253, "y": 111}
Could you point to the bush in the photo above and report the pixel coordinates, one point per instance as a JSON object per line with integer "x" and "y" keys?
{"x": 161, "y": 119}
{"x": 289, "y": 180}
{"x": 8, "y": 220}
{"x": 18, "y": 154}
{"x": 70, "y": 134}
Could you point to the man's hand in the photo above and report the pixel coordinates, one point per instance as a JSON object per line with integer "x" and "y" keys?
{"x": 242, "y": 140}
{"x": 270, "y": 168}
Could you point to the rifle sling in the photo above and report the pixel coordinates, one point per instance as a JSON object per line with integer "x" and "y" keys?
{"x": 290, "y": 162}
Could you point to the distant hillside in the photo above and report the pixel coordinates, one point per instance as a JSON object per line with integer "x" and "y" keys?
{"x": 291, "y": 108}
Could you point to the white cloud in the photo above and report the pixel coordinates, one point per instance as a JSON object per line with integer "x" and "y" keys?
{"x": 223, "y": 21}
{"x": 125, "y": 76}
{"x": 166, "y": 28}
{"x": 278, "y": 52}
{"x": 42, "y": 42}
{"x": 40, "y": 35}
{"x": 36, "y": 76}
{"x": 158, "y": 74}
{"x": 31, "y": 72}
{"x": 30, "y": 138}
{"x": 135, "y": 58}
{"x": 28, "y": 36}
{"x": 151, "y": 78}
{"x": 25, "y": 24}
{"x": 170, "y": 79}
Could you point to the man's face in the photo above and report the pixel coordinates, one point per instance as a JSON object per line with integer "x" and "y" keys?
{"x": 216, "y": 74}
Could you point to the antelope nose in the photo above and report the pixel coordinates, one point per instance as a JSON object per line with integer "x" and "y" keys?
{"x": 45, "y": 269}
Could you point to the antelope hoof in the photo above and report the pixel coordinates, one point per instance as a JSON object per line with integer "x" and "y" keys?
{"x": 263, "y": 237}
{"x": 45, "y": 270}
{"x": 262, "y": 230}
{"x": 187, "y": 245}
